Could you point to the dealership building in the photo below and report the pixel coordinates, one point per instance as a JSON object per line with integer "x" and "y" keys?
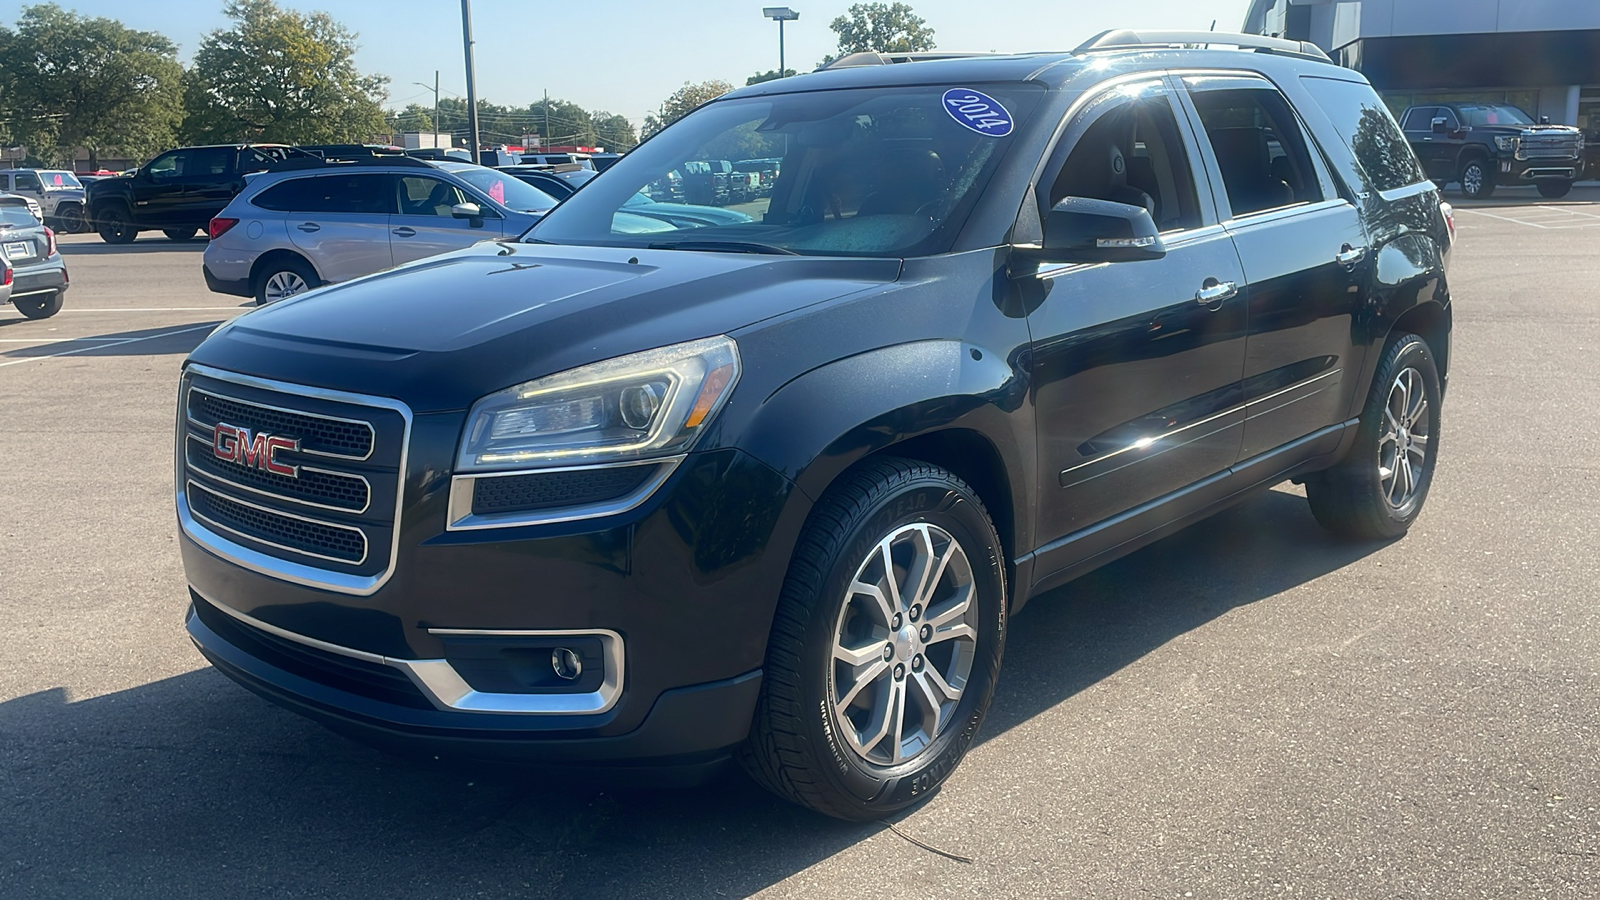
{"x": 1540, "y": 55}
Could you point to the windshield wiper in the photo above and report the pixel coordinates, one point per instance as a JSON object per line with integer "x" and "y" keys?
{"x": 724, "y": 247}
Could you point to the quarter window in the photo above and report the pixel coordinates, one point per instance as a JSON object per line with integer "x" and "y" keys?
{"x": 1367, "y": 128}
{"x": 1259, "y": 147}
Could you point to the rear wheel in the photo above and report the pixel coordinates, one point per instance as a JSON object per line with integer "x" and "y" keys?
{"x": 115, "y": 226}
{"x": 180, "y": 234}
{"x": 1554, "y": 190}
{"x": 283, "y": 278}
{"x": 886, "y": 645}
{"x": 1477, "y": 179}
{"x": 40, "y": 306}
{"x": 1379, "y": 488}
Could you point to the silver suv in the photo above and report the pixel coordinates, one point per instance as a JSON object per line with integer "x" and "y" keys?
{"x": 309, "y": 222}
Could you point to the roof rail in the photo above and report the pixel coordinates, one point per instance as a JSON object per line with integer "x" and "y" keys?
{"x": 298, "y": 163}
{"x": 871, "y": 58}
{"x": 1128, "y": 39}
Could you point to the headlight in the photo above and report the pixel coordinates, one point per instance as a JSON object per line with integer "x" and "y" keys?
{"x": 1507, "y": 143}
{"x": 644, "y": 405}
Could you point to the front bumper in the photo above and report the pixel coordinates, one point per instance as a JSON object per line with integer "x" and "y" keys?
{"x": 1525, "y": 171}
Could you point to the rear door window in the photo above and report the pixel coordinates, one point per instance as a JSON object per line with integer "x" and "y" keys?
{"x": 1369, "y": 131}
{"x": 351, "y": 194}
{"x": 210, "y": 162}
{"x": 1259, "y": 147}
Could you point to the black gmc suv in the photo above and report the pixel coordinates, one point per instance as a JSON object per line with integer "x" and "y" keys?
{"x": 1482, "y": 145}
{"x": 177, "y": 192}
{"x": 634, "y": 493}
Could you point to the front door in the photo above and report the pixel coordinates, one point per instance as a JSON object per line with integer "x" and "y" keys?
{"x": 158, "y": 189}
{"x": 1136, "y": 365}
{"x": 423, "y": 224}
{"x": 1305, "y": 258}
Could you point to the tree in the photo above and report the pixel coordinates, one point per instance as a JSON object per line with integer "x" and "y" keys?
{"x": 881, "y": 27}
{"x": 71, "y": 81}
{"x": 613, "y": 132}
{"x": 682, "y": 101}
{"x": 281, "y": 75}
{"x": 769, "y": 75}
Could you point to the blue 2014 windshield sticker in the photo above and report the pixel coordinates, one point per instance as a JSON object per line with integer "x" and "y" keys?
{"x": 977, "y": 111}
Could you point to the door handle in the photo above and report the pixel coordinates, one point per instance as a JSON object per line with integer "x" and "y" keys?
{"x": 405, "y": 231}
{"x": 1348, "y": 256}
{"x": 1214, "y": 293}
{"x": 309, "y": 227}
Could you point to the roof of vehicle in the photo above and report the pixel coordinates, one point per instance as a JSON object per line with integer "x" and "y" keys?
{"x": 1051, "y": 68}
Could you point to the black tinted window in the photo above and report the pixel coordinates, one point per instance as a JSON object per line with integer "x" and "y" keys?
{"x": 169, "y": 166}
{"x": 1418, "y": 118}
{"x": 368, "y": 193}
{"x": 1368, "y": 129}
{"x": 210, "y": 162}
{"x": 1134, "y": 155}
{"x": 28, "y": 181}
{"x": 1259, "y": 147}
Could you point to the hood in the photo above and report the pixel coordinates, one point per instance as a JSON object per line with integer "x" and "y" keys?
{"x": 112, "y": 184}
{"x": 442, "y": 332}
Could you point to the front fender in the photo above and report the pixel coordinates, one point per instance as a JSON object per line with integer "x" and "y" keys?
{"x": 816, "y": 426}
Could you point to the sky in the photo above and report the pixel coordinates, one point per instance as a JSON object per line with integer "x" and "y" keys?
{"x": 626, "y": 56}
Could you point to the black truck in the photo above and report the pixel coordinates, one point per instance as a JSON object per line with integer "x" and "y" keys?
{"x": 177, "y": 192}
{"x": 1483, "y": 145}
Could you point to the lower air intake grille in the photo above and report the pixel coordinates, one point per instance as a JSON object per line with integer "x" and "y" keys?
{"x": 554, "y": 490}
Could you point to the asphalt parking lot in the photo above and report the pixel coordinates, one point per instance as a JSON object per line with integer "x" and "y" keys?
{"x": 1247, "y": 709}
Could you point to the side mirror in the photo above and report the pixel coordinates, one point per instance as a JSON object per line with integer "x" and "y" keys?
{"x": 470, "y": 211}
{"x": 1080, "y": 230}
{"x": 1439, "y": 125}
{"x": 1544, "y": 120}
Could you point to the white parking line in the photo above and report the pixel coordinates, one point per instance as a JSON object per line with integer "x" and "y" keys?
{"x": 161, "y": 309}
{"x": 107, "y": 343}
{"x": 54, "y": 340}
{"x": 1545, "y": 217}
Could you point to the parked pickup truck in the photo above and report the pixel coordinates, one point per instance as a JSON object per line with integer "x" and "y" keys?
{"x": 177, "y": 192}
{"x": 1482, "y": 145}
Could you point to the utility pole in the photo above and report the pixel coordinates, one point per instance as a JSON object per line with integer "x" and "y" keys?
{"x": 472, "y": 88}
{"x": 780, "y": 14}
{"x": 544, "y": 140}
{"x": 436, "y": 104}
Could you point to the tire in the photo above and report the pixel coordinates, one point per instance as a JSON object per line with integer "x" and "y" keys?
{"x": 180, "y": 234}
{"x": 1356, "y": 498}
{"x": 115, "y": 226}
{"x": 802, "y": 746}
{"x": 283, "y": 278}
{"x": 40, "y": 307}
{"x": 1477, "y": 179}
{"x": 1554, "y": 190}
{"x": 69, "y": 218}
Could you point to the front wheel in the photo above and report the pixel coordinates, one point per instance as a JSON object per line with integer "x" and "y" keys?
{"x": 40, "y": 306}
{"x": 69, "y": 218}
{"x": 180, "y": 234}
{"x": 1554, "y": 190}
{"x": 115, "y": 227}
{"x": 1379, "y": 488}
{"x": 886, "y": 646}
{"x": 1477, "y": 180}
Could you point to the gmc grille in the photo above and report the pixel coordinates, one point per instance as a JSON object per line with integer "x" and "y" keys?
{"x": 332, "y": 503}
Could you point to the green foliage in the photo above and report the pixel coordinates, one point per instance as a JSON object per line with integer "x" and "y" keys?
{"x": 613, "y": 132}
{"x": 70, "y": 81}
{"x": 682, "y": 101}
{"x": 280, "y": 75}
{"x": 568, "y": 123}
{"x": 769, "y": 75}
{"x": 881, "y": 27}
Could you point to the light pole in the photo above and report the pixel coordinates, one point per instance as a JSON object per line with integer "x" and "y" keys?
{"x": 780, "y": 14}
{"x": 435, "y": 100}
{"x": 472, "y": 90}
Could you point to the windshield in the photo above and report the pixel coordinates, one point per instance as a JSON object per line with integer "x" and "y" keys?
{"x": 506, "y": 190}
{"x": 1478, "y": 115}
{"x": 59, "y": 180}
{"x": 874, "y": 172}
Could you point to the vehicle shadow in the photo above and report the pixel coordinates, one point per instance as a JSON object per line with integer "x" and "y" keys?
{"x": 145, "y": 244}
{"x": 192, "y": 787}
{"x": 160, "y": 341}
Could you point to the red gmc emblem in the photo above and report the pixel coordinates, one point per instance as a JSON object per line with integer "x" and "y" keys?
{"x": 258, "y": 451}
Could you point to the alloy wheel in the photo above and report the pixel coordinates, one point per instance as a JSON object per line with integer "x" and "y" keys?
{"x": 1472, "y": 180}
{"x": 904, "y": 644}
{"x": 1403, "y": 445}
{"x": 282, "y": 285}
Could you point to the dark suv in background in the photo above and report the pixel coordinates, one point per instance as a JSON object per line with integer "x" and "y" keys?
{"x": 773, "y": 487}
{"x": 1482, "y": 145}
{"x": 178, "y": 192}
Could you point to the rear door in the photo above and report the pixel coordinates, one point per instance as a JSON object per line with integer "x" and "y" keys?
{"x": 1304, "y": 253}
{"x": 1135, "y": 365}
{"x": 339, "y": 221}
{"x": 211, "y": 180}
{"x": 423, "y": 225}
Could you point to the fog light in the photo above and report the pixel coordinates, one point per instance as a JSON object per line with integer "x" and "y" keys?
{"x": 567, "y": 664}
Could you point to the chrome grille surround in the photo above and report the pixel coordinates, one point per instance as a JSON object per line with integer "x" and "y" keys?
{"x": 379, "y": 466}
